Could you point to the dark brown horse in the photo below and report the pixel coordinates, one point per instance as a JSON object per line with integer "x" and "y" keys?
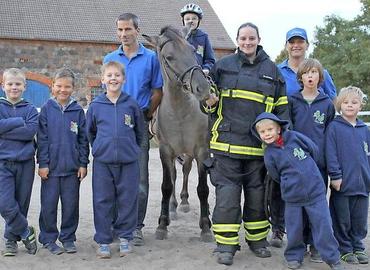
{"x": 181, "y": 126}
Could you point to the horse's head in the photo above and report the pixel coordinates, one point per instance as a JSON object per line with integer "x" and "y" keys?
{"x": 178, "y": 62}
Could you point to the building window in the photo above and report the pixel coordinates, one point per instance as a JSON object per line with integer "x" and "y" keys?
{"x": 96, "y": 91}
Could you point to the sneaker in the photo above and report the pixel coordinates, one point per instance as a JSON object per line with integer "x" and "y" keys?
{"x": 362, "y": 257}
{"x": 138, "y": 239}
{"x": 277, "y": 239}
{"x": 103, "y": 251}
{"x": 337, "y": 266}
{"x": 315, "y": 255}
{"x": 349, "y": 258}
{"x": 11, "y": 248}
{"x": 53, "y": 248}
{"x": 293, "y": 264}
{"x": 69, "y": 247}
{"x": 124, "y": 247}
{"x": 262, "y": 252}
{"x": 225, "y": 258}
{"x": 30, "y": 241}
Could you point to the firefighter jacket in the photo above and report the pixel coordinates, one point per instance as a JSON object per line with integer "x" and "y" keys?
{"x": 245, "y": 90}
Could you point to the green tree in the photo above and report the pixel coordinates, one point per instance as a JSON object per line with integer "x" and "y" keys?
{"x": 282, "y": 56}
{"x": 343, "y": 47}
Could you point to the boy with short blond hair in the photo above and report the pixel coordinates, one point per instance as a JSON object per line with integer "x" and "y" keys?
{"x": 115, "y": 130}
{"x": 18, "y": 126}
{"x": 347, "y": 156}
{"x": 63, "y": 155}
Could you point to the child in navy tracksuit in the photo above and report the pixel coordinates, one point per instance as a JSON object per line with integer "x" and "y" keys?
{"x": 348, "y": 157}
{"x": 63, "y": 155}
{"x": 115, "y": 130}
{"x": 192, "y": 15}
{"x": 311, "y": 111}
{"x": 18, "y": 126}
{"x": 290, "y": 159}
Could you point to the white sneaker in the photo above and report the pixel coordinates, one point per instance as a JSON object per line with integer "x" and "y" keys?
{"x": 124, "y": 247}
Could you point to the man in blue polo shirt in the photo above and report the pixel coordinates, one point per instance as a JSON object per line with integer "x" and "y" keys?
{"x": 144, "y": 84}
{"x": 296, "y": 46}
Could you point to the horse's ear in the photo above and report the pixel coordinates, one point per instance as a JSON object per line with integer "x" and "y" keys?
{"x": 153, "y": 40}
{"x": 186, "y": 31}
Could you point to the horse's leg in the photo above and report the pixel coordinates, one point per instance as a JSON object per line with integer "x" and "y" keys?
{"x": 167, "y": 167}
{"x": 203, "y": 191}
{"x": 184, "y": 195}
{"x": 173, "y": 200}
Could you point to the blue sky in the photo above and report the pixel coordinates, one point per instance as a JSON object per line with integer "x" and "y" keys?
{"x": 275, "y": 17}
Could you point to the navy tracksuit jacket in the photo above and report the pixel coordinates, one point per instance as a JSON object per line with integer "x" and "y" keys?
{"x": 348, "y": 158}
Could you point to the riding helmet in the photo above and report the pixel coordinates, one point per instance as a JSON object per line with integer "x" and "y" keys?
{"x": 192, "y": 8}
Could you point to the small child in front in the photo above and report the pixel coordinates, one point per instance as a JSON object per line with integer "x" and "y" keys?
{"x": 18, "y": 127}
{"x": 290, "y": 159}
{"x": 115, "y": 130}
{"x": 348, "y": 157}
{"x": 63, "y": 155}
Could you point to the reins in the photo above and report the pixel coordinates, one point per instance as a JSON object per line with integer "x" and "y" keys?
{"x": 180, "y": 77}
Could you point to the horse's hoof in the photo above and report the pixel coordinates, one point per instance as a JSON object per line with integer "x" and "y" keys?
{"x": 161, "y": 234}
{"x": 207, "y": 237}
{"x": 184, "y": 208}
{"x": 173, "y": 215}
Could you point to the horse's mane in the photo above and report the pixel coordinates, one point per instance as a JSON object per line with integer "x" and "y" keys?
{"x": 172, "y": 33}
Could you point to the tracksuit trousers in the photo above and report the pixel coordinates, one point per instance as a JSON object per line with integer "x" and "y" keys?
{"x": 115, "y": 185}
{"x": 16, "y": 180}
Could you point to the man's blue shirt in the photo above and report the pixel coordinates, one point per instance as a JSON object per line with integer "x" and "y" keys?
{"x": 293, "y": 86}
{"x": 143, "y": 73}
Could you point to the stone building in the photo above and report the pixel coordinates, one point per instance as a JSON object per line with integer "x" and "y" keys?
{"x": 42, "y": 36}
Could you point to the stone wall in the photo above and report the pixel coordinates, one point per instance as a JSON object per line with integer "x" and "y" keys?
{"x": 40, "y": 59}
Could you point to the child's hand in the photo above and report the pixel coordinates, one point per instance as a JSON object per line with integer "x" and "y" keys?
{"x": 43, "y": 173}
{"x": 212, "y": 100}
{"x": 81, "y": 174}
{"x": 336, "y": 184}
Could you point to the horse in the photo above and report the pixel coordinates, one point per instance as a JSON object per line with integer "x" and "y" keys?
{"x": 181, "y": 126}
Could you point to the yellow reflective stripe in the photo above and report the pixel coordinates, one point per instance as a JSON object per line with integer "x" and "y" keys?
{"x": 257, "y": 236}
{"x": 209, "y": 109}
{"x": 217, "y": 122}
{"x": 246, "y": 150}
{"x": 227, "y": 240}
{"x": 237, "y": 93}
{"x": 237, "y": 149}
{"x": 256, "y": 225}
{"x": 269, "y": 108}
{"x": 282, "y": 101}
{"x": 226, "y": 228}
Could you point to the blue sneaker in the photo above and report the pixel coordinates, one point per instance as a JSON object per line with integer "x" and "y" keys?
{"x": 124, "y": 247}
{"x": 30, "y": 241}
{"x": 11, "y": 248}
{"x": 54, "y": 248}
{"x": 69, "y": 247}
{"x": 103, "y": 251}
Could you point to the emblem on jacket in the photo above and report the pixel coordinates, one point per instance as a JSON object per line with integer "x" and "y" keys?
{"x": 319, "y": 117}
{"x": 299, "y": 153}
{"x": 200, "y": 50}
{"x": 128, "y": 121}
{"x": 74, "y": 127}
{"x": 366, "y": 148}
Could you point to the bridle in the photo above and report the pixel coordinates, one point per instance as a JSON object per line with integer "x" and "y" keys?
{"x": 180, "y": 77}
